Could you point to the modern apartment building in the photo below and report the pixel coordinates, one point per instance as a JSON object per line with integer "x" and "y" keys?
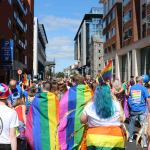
{"x": 129, "y": 45}
{"x": 91, "y": 25}
{"x": 16, "y": 37}
{"x": 39, "y": 49}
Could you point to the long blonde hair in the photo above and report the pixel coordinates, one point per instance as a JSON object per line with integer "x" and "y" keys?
{"x": 19, "y": 101}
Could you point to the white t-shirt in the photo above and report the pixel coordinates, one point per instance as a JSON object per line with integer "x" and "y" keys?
{"x": 8, "y": 120}
{"x": 94, "y": 120}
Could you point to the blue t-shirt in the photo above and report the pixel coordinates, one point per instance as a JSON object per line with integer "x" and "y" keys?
{"x": 137, "y": 98}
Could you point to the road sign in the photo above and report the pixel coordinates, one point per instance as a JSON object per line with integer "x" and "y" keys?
{"x": 19, "y": 71}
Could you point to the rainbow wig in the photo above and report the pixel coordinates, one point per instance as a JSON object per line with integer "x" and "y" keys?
{"x": 103, "y": 101}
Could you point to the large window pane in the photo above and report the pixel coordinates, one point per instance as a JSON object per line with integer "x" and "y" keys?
{"x": 125, "y": 2}
{"x": 127, "y": 16}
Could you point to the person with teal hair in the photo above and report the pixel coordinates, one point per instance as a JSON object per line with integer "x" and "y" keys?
{"x": 103, "y": 117}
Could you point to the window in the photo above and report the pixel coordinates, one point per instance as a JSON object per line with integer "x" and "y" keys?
{"x": 143, "y": 11}
{"x": 127, "y": 16}
{"x": 144, "y": 30}
{"x": 113, "y": 32}
{"x": 148, "y": 20}
{"x": 9, "y": 23}
{"x": 25, "y": 60}
{"x": 109, "y": 49}
{"x": 107, "y": 36}
{"x": 113, "y": 46}
{"x": 10, "y": 2}
{"x": 104, "y": 23}
{"x": 127, "y": 34}
{"x": 104, "y": 9}
{"x": 148, "y": 1}
{"x": 112, "y": 15}
{"x": 105, "y": 50}
{"x": 125, "y": 2}
{"x": 104, "y": 37}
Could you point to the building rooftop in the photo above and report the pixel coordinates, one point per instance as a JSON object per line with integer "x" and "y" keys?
{"x": 88, "y": 17}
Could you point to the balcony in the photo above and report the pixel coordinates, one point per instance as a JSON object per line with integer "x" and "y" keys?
{"x": 25, "y": 11}
{"x": 22, "y": 44}
{"x": 20, "y": 23}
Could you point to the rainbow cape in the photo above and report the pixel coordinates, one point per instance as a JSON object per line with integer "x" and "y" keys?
{"x": 42, "y": 122}
{"x": 71, "y": 107}
{"x": 105, "y": 138}
{"x": 106, "y": 73}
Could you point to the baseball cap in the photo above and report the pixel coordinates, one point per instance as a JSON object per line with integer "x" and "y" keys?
{"x": 4, "y": 91}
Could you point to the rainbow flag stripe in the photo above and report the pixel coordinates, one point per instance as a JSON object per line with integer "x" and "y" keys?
{"x": 71, "y": 107}
{"x": 106, "y": 73}
{"x": 105, "y": 138}
{"x": 42, "y": 122}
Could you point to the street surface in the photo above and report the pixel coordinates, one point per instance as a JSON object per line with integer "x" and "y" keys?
{"x": 132, "y": 146}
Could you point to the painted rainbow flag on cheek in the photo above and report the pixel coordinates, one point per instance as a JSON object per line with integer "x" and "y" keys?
{"x": 42, "y": 122}
{"x": 105, "y": 138}
{"x": 71, "y": 107}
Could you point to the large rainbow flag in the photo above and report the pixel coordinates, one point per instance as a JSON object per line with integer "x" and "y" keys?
{"x": 106, "y": 73}
{"x": 70, "y": 129}
{"x": 42, "y": 122}
{"x": 105, "y": 138}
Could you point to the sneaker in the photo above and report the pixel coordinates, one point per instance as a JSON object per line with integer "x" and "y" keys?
{"x": 130, "y": 140}
{"x": 145, "y": 146}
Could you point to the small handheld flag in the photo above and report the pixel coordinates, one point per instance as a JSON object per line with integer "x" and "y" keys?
{"x": 106, "y": 73}
{"x": 25, "y": 79}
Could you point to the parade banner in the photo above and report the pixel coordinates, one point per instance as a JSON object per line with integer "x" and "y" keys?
{"x": 42, "y": 122}
{"x": 70, "y": 129}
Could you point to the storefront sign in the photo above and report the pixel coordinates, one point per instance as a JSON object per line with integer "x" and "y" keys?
{"x": 7, "y": 48}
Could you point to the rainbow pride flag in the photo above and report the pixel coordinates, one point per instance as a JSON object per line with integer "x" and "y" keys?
{"x": 70, "y": 129}
{"x": 106, "y": 73}
{"x": 42, "y": 122}
{"x": 105, "y": 138}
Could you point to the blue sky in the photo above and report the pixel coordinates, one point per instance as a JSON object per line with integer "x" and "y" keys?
{"x": 62, "y": 19}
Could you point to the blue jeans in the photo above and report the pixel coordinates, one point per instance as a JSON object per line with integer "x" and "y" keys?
{"x": 140, "y": 116}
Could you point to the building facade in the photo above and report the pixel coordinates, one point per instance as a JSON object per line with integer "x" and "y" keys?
{"x": 91, "y": 25}
{"x": 129, "y": 45}
{"x": 16, "y": 37}
{"x": 96, "y": 55}
{"x": 39, "y": 49}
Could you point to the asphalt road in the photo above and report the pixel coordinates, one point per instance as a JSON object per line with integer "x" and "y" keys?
{"x": 133, "y": 146}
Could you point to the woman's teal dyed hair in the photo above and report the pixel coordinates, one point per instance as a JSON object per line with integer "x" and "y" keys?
{"x": 103, "y": 101}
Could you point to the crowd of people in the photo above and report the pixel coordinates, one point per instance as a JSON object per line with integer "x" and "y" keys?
{"x": 110, "y": 116}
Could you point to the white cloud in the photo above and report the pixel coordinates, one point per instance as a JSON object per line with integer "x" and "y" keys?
{"x": 60, "y": 47}
{"x": 53, "y": 23}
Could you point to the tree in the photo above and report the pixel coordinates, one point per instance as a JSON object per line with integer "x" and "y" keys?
{"x": 60, "y": 75}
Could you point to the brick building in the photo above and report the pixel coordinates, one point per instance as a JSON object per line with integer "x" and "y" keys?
{"x": 16, "y": 27}
{"x": 127, "y": 36}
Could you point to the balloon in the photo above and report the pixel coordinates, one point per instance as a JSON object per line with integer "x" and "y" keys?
{"x": 145, "y": 78}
